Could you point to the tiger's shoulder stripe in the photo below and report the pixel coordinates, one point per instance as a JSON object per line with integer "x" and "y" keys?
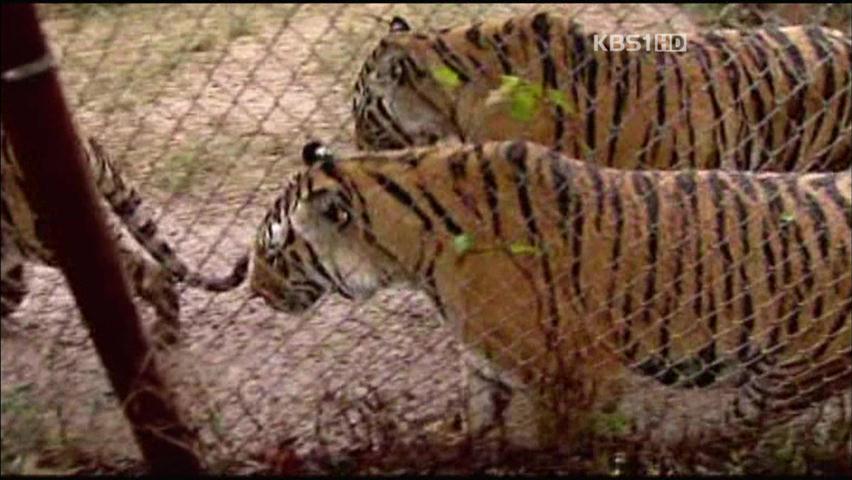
{"x": 757, "y": 112}
{"x": 541, "y": 28}
{"x": 451, "y": 60}
{"x": 796, "y": 75}
{"x": 622, "y": 87}
{"x": 490, "y": 189}
{"x": 598, "y": 188}
{"x": 618, "y": 221}
{"x": 775, "y": 199}
{"x": 825, "y": 61}
{"x": 402, "y": 196}
{"x": 440, "y": 211}
{"x": 718, "y": 190}
{"x": 474, "y": 36}
{"x": 646, "y": 186}
{"x": 562, "y": 184}
{"x": 828, "y": 184}
{"x": 791, "y": 186}
{"x": 660, "y": 78}
{"x": 747, "y": 304}
{"x": 502, "y": 52}
{"x": 687, "y": 184}
{"x": 516, "y": 155}
{"x": 591, "y": 102}
{"x": 718, "y": 127}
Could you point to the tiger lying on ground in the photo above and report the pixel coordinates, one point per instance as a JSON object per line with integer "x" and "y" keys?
{"x": 565, "y": 276}
{"x": 772, "y": 99}
{"x": 156, "y": 282}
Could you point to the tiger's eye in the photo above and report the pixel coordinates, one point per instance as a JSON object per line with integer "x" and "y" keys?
{"x": 396, "y": 71}
{"x": 336, "y": 214}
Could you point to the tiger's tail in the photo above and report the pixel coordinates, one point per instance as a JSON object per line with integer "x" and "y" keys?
{"x": 124, "y": 201}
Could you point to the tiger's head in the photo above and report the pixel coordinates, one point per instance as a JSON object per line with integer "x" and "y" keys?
{"x": 311, "y": 243}
{"x": 399, "y": 100}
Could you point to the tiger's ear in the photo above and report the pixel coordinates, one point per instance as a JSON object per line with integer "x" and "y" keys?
{"x": 314, "y": 152}
{"x": 398, "y": 24}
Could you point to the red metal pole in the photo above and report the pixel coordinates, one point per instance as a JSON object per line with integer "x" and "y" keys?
{"x": 60, "y": 191}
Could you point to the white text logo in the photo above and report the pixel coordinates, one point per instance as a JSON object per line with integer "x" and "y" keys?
{"x": 659, "y": 42}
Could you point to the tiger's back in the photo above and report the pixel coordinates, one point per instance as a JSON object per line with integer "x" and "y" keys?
{"x": 773, "y": 99}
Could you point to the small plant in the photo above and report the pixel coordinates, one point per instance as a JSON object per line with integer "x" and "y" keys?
{"x": 522, "y": 248}
{"x": 29, "y": 445}
{"x": 780, "y": 454}
{"x": 465, "y": 244}
{"x": 85, "y": 11}
{"x": 610, "y": 424}
{"x": 175, "y": 175}
{"x": 525, "y": 98}
{"x": 22, "y": 430}
{"x": 787, "y": 218}
{"x": 170, "y": 64}
{"x": 447, "y": 77}
{"x": 215, "y": 420}
{"x": 239, "y": 27}
{"x": 203, "y": 44}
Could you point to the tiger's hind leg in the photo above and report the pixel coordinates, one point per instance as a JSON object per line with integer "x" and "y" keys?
{"x": 153, "y": 284}
{"x": 773, "y": 394}
{"x": 784, "y": 391}
{"x": 13, "y": 278}
{"x": 13, "y": 290}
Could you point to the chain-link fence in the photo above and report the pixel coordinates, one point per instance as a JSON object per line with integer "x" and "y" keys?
{"x": 206, "y": 109}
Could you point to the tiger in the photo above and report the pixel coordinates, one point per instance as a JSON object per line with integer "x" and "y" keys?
{"x": 772, "y": 99}
{"x": 563, "y": 279}
{"x": 24, "y": 241}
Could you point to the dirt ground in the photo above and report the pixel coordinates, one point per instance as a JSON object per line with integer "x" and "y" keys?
{"x": 206, "y": 108}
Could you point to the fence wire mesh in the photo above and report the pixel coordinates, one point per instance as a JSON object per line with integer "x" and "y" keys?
{"x": 206, "y": 109}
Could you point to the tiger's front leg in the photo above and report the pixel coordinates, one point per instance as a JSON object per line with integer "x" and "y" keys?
{"x": 501, "y": 410}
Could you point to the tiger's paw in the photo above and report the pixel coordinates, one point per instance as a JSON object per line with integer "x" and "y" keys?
{"x": 165, "y": 336}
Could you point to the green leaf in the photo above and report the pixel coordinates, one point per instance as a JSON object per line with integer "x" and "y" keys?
{"x": 509, "y": 82}
{"x": 536, "y": 90}
{"x": 526, "y": 97}
{"x": 501, "y": 94}
{"x": 463, "y": 243}
{"x": 524, "y": 104}
{"x": 447, "y": 77}
{"x": 558, "y": 98}
{"x": 521, "y": 248}
{"x": 215, "y": 419}
{"x": 787, "y": 218}
{"x": 615, "y": 423}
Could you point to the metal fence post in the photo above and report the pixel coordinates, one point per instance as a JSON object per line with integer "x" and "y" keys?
{"x": 42, "y": 135}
